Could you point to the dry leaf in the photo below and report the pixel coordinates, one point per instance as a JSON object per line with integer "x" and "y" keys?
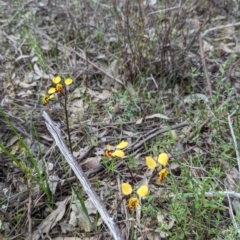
{"x": 40, "y": 72}
{"x": 153, "y": 236}
{"x": 24, "y": 84}
{"x": 174, "y": 167}
{"x": 151, "y": 2}
{"x": 105, "y": 94}
{"x": 43, "y": 3}
{"x": 236, "y": 206}
{"x": 156, "y": 115}
{"x": 129, "y": 134}
{"x": 24, "y": 94}
{"x": 91, "y": 163}
{"x": 90, "y": 206}
{"x": 30, "y": 76}
{"x": 232, "y": 181}
{"x": 195, "y": 97}
{"x": 68, "y": 238}
{"x": 78, "y": 217}
{"x": 112, "y": 69}
{"x": 139, "y": 121}
{"x": 37, "y": 70}
{"x": 198, "y": 150}
{"x": 165, "y": 222}
{"x": 22, "y": 57}
{"x": 207, "y": 47}
{"x": 11, "y": 141}
{"x": 225, "y": 48}
{"x": 77, "y": 105}
{"x": 131, "y": 89}
{"x": 51, "y": 220}
{"x": 52, "y": 183}
{"x": 77, "y": 93}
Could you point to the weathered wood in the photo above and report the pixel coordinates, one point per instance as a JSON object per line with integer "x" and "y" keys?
{"x": 56, "y": 133}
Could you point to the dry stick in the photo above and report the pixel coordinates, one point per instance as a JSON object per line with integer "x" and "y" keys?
{"x": 203, "y": 57}
{"x": 223, "y": 193}
{"x": 56, "y": 133}
{"x": 197, "y": 129}
{"x": 234, "y": 139}
{"x": 230, "y": 194}
{"x": 220, "y": 27}
{"x": 166, "y": 9}
{"x": 232, "y": 215}
{"x": 29, "y": 216}
{"x": 70, "y": 49}
{"x": 238, "y": 161}
{"x": 137, "y": 145}
{"x": 204, "y": 66}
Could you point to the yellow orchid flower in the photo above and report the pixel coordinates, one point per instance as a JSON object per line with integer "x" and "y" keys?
{"x": 56, "y": 79}
{"x": 142, "y": 191}
{"x": 51, "y": 90}
{"x": 108, "y": 153}
{"x": 150, "y": 162}
{"x": 46, "y": 99}
{"x": 68, "y": 81}
{"x": 118, "y": 152}
{"x": 59, "y": 87}
{"x": 126, "y": 188}
{"x": 133, "y": 203}
{"x": 122, "y": 145}
{"x": 163, "y": 159}
{"x": 162, "y": 175}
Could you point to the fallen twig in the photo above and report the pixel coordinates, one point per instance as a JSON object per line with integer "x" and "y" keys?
{"x": 229, "y": 194}
{"x": 234, "y": 139}
{"x": 223, "y": 193}
{"x": 204, "y": 66}
{"x": 220, "y": 27}
{"x": 203, "y": 60}
{"x": 56, "y": 133}
{"x": 29, "y": 216}
{"x": 166, "y": 9}
{"x": 136, "y": 145}
{"x": 236, "y": 195}
{"x": 232, "y": 215}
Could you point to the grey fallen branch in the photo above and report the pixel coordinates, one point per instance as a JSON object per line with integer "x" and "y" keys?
{"x": 56, "y": 133}
{"x": 223, "y": 193}
{"x": 231, "y": 194}
{"x": 234, "y": 138}
{"x": 154, "y": 133}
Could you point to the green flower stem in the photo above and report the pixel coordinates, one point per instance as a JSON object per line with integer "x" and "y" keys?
{"x": 67, "y": 120}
